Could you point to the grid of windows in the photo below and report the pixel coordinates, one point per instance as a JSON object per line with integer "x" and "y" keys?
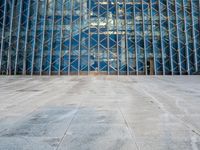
{"x": 116, "y": 37}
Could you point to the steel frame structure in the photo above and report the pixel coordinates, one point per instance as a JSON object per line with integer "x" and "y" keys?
{"x": 114, "y": 37}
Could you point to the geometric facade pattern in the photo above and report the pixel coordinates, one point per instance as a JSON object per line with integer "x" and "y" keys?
{"x": 114, "y": 37}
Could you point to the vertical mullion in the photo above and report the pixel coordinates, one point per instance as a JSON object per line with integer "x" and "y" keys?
{"x": 169, "y": 34}
{"x": 14, "y": 35}
{"x": 26, "y": 38}
{"x": 65, "y": 37}
{"x": 194, "y": 9}
{"x": 39, "y": 46}
{"x": 98, "y": 40}
{"x": 75, "y": 38}
{"x": 89, "y": 36}
{"x": 117, "y": 40}
{"x": 144, "y": 35}
{"x": 80, "y": 32}
{"x": 18, "y": 33}
{"x": 198, "y": 51}
{"x": 56, "y": 41}
{"x": 190, "y": 32}
{"x": 38, "y": 22}
{"x": 61, "y": 35}
{"x": 139, "y": 38}
{"x": 70, "y": 42}
{"x": 46, "y": 53}
{"x": 8, "y": 71}
{"x": 126, "y": 40}
{"x": 108, "y": 33}
{"x": 84, "y": 38}
{"x": 3, "y": 32}
{"x": 152, "y": 29}
{"x": 186, "y": 38}
{"x": 121, "y": 38}
{"x": 43, "y": 37}
{"x": 130, "y": 37}
{"x": 23, "y": 38}
{"x": 147, "y": 36}
{"x": 52, "y": 34}
{"x": 165, "y": 36}
{"x": 178, "y": 38}
{"x": 156, "y": 35}
{"x": 34, "y": 41}
{"x": 194, "y": 37}
{"x": 136, "y": 55}
{"x": 161, "y": 37}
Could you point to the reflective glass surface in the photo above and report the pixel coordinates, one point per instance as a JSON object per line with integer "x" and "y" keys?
{"x": 114, "y": 37}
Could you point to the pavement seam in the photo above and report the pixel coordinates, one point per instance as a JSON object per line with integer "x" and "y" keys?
{"x": 65, "y": 133}
{"x": 129, "y": 129}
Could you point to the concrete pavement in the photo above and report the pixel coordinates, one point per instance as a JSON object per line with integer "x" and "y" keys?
{"x": 100, "y": 113}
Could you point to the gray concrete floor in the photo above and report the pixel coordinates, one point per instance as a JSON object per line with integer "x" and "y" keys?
{"x": 100, "y": 113}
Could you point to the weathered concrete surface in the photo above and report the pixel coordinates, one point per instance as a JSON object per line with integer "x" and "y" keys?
{"x": 100, "y": 113}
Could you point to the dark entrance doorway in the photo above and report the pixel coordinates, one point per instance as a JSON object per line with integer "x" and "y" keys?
{"x": 150, "y": 66}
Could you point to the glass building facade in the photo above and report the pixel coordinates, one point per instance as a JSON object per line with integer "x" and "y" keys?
{"x": 114, "y": 37}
